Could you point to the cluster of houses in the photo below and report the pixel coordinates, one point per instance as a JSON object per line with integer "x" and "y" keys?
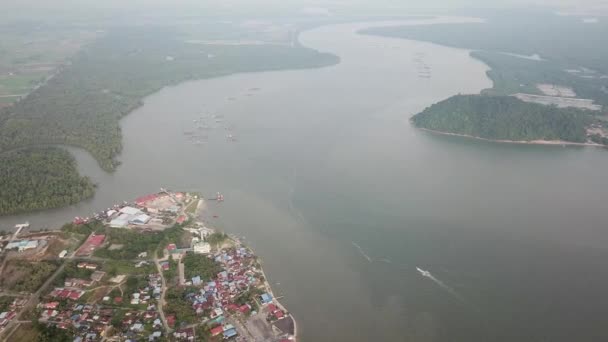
{"x": 141, "y": 324}
{"x": 224, "y": 294}
{"x": 185, "y": 334}
{"x": 89, "y": 322}
{"x": 152, "y": 291}
{"x": 82, "y": 283}
{"x": 8, "y": 315}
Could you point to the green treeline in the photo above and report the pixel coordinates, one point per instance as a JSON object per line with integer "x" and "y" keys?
{"x": 83, "y": 103}
{"x": 504, "y": 118}
{"x": 40, "y": 178}
{"x": 565, "y": 40}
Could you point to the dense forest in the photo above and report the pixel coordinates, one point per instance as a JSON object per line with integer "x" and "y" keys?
{"x": 40, "y": 178}
{"x": 82, "y": 105}
{"x": 504, "y": 118}
{"x": 572, "y": 52}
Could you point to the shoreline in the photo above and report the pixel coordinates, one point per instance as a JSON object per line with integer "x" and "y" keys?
{"x": 278, "y": 303}
{"x": 201, "y": 208}
{"x": 505, "y": 141}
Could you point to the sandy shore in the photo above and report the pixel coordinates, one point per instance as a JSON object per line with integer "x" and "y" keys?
{"x": 526, "y": 142}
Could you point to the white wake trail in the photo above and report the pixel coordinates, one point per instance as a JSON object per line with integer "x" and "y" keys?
{"x": 362, "y": 252}
{"x": 447, "y": 288}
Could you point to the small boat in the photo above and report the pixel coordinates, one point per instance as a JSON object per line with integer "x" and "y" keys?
{"x": 423, "y": 272}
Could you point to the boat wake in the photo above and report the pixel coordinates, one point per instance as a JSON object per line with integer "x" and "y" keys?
{"x": 362, "y": 252}
{"x": 442, "y": 285}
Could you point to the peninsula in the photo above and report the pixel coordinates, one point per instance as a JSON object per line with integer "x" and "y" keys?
{"x": 508, "y": 119}
{"x": 550, "y": 85}
{"x": 147, "y": 270}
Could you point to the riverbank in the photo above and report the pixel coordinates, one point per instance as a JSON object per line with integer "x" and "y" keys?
{"x": 522, "y": 142}
{"x": 226, "y": 291}
{"x": 201, "y": 210}
{"x": 278, "y": 303}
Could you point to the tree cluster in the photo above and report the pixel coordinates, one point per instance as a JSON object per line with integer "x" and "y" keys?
{"x": 504, "y": 118}
{"x": 40, "y": 178}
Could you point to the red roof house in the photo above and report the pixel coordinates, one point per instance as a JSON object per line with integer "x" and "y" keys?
{"x": 74, "y": 295}
{"x": 51, "y": 305}
{"x": 217, "y": 330}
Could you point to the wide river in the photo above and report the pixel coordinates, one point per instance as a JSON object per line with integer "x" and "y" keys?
{"x": 342, "y": 198}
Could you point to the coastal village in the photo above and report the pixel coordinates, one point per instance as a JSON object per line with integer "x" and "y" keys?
{"x": 149, "y": 270}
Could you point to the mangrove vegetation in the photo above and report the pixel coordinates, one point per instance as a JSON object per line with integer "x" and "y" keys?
{"x": 40, "y": 178}
{"x": 504, "y": 118}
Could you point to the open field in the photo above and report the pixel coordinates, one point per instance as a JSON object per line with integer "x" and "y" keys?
{"x": 19, "y": 275}
{"x": 25, "y": 333}
{"x": 560, "y": 102}
{"x": 555, "y": 90}
{"x": 28, "y": 56}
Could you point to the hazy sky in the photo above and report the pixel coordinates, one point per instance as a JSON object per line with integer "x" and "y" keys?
{"x": 91, "y": 8}
{"x": 331, "y": 3}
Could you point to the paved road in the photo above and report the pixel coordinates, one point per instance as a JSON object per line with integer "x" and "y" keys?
{"x": 161, "y": 300}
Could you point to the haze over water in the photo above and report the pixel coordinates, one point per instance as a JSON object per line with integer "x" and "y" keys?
{"x": 342, "y": 198}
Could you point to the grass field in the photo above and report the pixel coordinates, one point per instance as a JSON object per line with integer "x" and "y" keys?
{"x": 21, "y": 275}
{"x": 25, "y": 333}
{"x": 29, "y": 56}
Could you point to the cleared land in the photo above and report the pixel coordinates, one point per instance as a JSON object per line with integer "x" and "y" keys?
{"x": 560, "y": 102}
{"x": 556, "y": 90}
{"x": 20, "y": 275}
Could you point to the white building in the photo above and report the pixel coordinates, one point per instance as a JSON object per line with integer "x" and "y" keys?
{"x": 130, "y": 211}
{"x": 22, "y": 245}
{"x": 140, "y": 219}
{"x": 201, "y": 247}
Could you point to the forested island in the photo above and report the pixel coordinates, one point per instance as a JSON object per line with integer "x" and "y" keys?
{"x": 40, "y": 178}
{"x": 507, "y": 118}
